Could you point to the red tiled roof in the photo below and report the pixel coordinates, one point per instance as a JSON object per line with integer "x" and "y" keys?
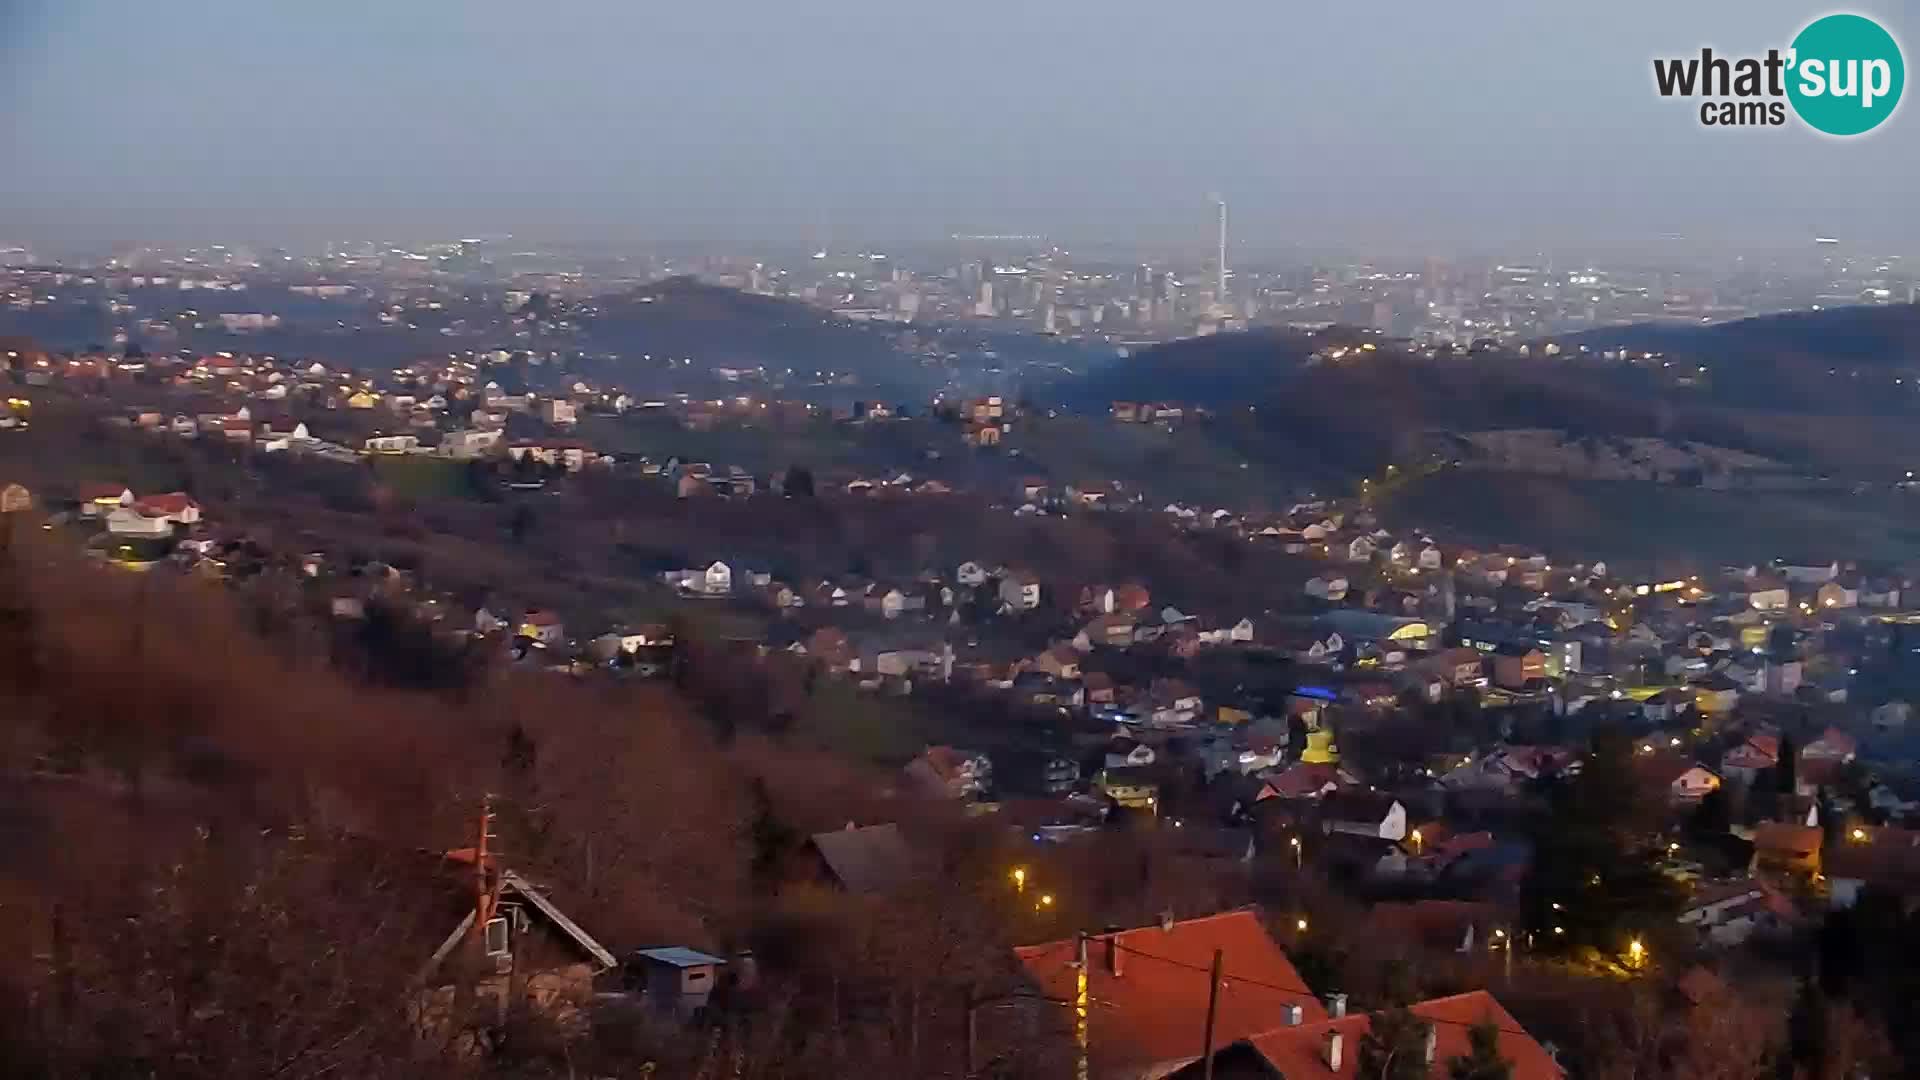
{"x": 1834, "y": 742}
{"x": 1885, "y": 855}
{"x": 1148, "y": 1014}
{"x": 1304, "y": 779}
{"x": 1299, "y": 1053}
{"x": 1785, "y": 839}
{"x": 173, "y": 502}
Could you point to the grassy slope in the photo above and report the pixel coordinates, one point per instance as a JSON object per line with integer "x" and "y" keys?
{"x": 1630, "y": 522}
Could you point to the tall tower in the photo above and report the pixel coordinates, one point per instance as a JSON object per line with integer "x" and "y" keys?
{"x": 1220, "y": 266}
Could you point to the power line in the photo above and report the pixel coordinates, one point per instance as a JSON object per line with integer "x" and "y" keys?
{"x": 1228, "y": 977}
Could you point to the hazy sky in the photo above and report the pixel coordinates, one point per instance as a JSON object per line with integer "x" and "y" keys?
{"x": 1392, "y": 125}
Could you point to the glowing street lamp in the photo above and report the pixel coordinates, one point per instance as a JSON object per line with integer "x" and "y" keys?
{"x": 1020, "y": 878}
{"x": 1418, "y": 842}
{"x": 1636, "y": 952}
{"x": 1295, "y": 841}
{"x": 1300, "y": 925}
{"x": 1046, "y": 901}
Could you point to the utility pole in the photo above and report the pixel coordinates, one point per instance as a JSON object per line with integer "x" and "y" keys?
{"x": 1213, "y": 1007}
{"x": 1080, "y": 1003}
{"x": 973, "y": 1033}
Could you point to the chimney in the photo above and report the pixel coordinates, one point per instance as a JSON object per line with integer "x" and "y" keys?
{"x": 1334, "y": 1046}
{"x": 1432, "y": 1043}
{"x": 1290, "y": 1015}
{"x": 1336, "y": 1006}
{"x": 1114, "y": 952}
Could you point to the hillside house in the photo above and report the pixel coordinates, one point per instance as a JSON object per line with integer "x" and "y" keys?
{"x": 1374, "y": 814}
{"x": 1745, "y": 762}
{"x": 945, "y": 772}
{"x": 1832, "y": 745}
{"x": 98, "y": 500}
{"x": 176, "y": 506}
{"x": 1786, "y": 850}
{"x": 133, "y": 522}
{"x": 1834, "y": 595}
{"x": 1020, "y": 590}
{"x": 514, "y": 948}
{"x": 863, "y": 859}
{"x": 1154, "y": 992}
{"x": 543, "y": 627}
{"x": 1518, "y": 667}
{"x": 1678, "y": 777}
{"x": 1303, "y": 1049}
{"x": 1328, "y": 585}
{"x": 392, "y": 444}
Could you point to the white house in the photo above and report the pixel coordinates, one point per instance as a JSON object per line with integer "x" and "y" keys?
{"x": 1364, "y": 813}
{"x": 1020, "y": 590}
{"x": 1833, "y": 594}
{"x": 128, "y": 521}
{"x": 1328, "y": 586}
{"x": 1810, "y": 572}
{"x": 468, "y": 443}
{"x": 392, "y": 444}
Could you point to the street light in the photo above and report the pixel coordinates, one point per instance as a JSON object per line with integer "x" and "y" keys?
{"x": 1636, "y": 952}
{"x": 1295, "y": 841}
{"x": 1046, "y": 899}
{"x": 1020, "y": 878}
{"x": 1300, "y": 925}
{"x": 1417, "y": 841}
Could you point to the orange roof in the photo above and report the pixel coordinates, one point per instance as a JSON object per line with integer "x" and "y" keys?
{"x": 1299, "y": 1053}
{"x": 1150, "y": 1012}
{"x": 1786, "y": 839}
{"x": 173, "y": 502}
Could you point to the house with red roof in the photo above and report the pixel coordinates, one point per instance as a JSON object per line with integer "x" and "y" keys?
{"x": 1147, "y": 990}
{"x": 1832, "y": 745}
{"x": 1331, "y": 1049}
{"x": 176, "y": 506}
{"x": 1883, "y": 857}
{"x": 99, "y": 499}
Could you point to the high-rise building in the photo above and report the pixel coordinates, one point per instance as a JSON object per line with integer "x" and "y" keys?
{"x": 1220, "y": 262}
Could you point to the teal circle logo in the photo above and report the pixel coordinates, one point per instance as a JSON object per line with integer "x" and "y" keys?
{"x": 1846, "y": 75}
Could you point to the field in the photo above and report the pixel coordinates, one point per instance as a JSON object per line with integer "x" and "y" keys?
{"x": 1632, "y": 523}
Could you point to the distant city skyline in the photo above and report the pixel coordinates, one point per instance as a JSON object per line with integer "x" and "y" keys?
{"x": 1470, "y": 129}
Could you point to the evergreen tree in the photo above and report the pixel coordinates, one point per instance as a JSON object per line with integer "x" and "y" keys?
{"x": 1482, "y": 1061}
{"x": 1394, "y": 1047}
{"x": 1590, "y": 883}
{"x": 1714, "y": 815}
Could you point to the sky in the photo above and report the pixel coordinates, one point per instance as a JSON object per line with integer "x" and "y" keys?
{"x": 1398, "y": 126}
